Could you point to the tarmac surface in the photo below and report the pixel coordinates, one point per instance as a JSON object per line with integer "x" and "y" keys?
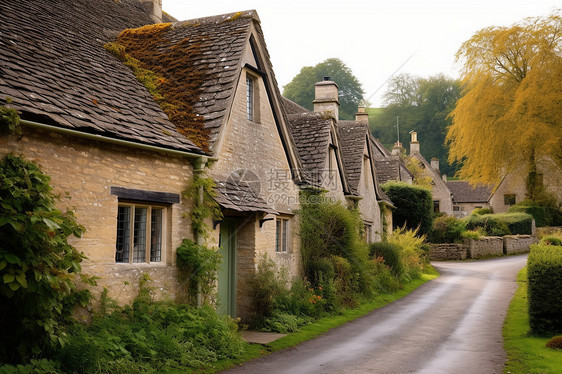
{"x": 452, "y": 324}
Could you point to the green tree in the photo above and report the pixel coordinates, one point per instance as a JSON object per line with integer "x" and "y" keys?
{"x": 301, "y": 88}
{"x": 509, "y": 114}
{"x": 37, "y": 265}
{"x": 423, "y": 105}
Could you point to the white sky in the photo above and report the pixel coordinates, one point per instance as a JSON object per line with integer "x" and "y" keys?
{"x": 373, "y": 38}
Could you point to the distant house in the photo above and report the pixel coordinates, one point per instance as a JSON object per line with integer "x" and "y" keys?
{"x": 466, "y": 198}
{"x": 442, "y": 199}
{"x": 512, "y": 188}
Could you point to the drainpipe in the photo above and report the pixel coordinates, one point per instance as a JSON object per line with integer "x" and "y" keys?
{"x": 199, "y": 167}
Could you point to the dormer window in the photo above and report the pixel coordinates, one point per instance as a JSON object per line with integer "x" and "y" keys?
{"x": 250, "y": 97}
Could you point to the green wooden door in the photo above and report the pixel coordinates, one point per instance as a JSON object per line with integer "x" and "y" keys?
{"x": 227, "y": 271}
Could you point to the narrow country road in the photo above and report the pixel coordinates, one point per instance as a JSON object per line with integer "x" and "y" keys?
{"x": 452, "y": 324}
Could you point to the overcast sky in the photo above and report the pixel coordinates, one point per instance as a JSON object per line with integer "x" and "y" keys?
{"x": 372, "y": 37}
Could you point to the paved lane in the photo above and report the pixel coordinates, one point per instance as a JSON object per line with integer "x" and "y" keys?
{"x": 449, "y": 325}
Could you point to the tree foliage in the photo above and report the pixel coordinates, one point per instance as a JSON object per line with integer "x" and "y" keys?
{"x": 423, "y": 105}
{"x": 301, "y": 88}
{"x": 509, "y": 114}
{"x": 37, "y": 265}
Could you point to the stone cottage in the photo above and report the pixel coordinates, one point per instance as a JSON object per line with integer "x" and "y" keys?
{"x": 442, "y": 199}
{"x": 99, "y": 135}
{"x": 512, "y": 189}
{"x": 466, "y": 197}
{"x": 342, "y": 154}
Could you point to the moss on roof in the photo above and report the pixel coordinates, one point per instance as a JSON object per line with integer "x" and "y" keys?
{"x": 166, "y": 70}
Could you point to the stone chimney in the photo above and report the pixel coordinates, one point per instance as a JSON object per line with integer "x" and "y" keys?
{"x": 435, "y": 163}
{"x": 414, "y": 144}
{"x": 362, "y": 115}
{"x": 326, "y": 98}
{"x": 153, "y": 8}
{"x": 397, "y": 149}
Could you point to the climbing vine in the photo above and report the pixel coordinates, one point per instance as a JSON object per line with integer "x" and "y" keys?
{"x": 198, "y": 262}
{"x": 9, "y": 117}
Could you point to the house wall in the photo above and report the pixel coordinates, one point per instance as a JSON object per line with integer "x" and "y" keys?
{"x": 332, "y": 181}
{"x": 464, "y": 209}
{"x": 86, "y": 170}
{"x": 257, "y": 147}
{"x": 515, "y": 184}
{"x": 512, "y": 184}
{"x": 368, "y": 205}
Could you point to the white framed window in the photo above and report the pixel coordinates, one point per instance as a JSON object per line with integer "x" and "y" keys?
{"x": 282, "y": 235}
{"x": 140, "y": 233}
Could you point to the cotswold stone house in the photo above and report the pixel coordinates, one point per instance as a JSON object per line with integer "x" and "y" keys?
{"x": 466, "y": 197}
{"x": 339, "y": 158}
{"x": 512, "y": 189}
{"x": 125, "y": 152}
{"x": 442, "y": 198}
{"x": 99, "y": 135}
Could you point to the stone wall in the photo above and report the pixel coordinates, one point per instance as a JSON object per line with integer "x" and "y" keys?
{"x": 485, "y": 246}
{"x": 448, "y": 252}
{"x": 84, "y": 171}
{"x": 518, "y": 243}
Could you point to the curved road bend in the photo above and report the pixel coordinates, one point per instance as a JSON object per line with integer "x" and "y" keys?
{"x": 452, "y": 324}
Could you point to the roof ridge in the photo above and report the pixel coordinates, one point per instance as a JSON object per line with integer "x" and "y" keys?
{"x": 220, "y": 18}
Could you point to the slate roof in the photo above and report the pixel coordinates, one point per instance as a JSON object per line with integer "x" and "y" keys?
{"x": 241, "y": 197}
{"x": 55, "y": 69}
{"x": 311, "y": 135}
{"x": 352, "y": 137}
{"x": 464, "y": 192}
{"x": 293, "y": 108}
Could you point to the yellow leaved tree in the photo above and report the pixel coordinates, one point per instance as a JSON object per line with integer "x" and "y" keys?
{"x": 510, "y": 113}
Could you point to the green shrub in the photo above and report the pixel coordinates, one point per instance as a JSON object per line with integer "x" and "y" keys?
{"x": 545, "y": 212}
{"x": 472, "y": 234}
{"x": 284, "y": 322}
{"x": 482, "y": 211}
{"x": 200, "y": 265}
{"x": 268, "y": 285}
{"x": 38, "y": 267}
{"x": 150, "y": 337}
{"x": 545, "y": 288}
{"x": 414, "y": 206}
{"x": 413, "y": 254}
{"x": 501, "y": 224}
{"x": 391, "y": 254}
{"x": 551, "y": 240}
{"x": 331, "y": 246}
{"x": 555, "y": 342}
{"x": 447, "y": 229}
{"x": 384, "y": 281}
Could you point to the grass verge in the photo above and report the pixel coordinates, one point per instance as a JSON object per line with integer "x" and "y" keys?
{"x": 526, "y": 353}
{"x": 322, "y": 325}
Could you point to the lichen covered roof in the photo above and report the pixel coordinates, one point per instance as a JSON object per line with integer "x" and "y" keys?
{"x": 198, "y": 65}
{"x": 311, "y": 135}
{"x": 55, "y": 69}
{"x": 352, "y": 136}
{"x": 464, "y": 192}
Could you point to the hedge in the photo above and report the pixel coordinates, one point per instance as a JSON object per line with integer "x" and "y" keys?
{"x": 545, "y": 289}
{"x": 544, "y": 215}
{"x": 502, "y": 224}
{"x": 414, "y": 206}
